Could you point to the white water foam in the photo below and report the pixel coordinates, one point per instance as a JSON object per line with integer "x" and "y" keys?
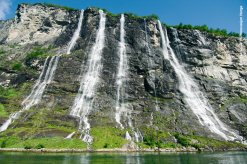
{"x": 84, "y": 100}
{"x": 193, "y": 96}
{"x": 44, "y": 79}
{"x": 76, "y": 33}
{"x": 35, "y": 96}
{"x": 70, "y": 135}
{"x": 122, "y": 74}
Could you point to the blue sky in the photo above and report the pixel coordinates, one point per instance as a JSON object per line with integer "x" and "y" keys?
{"x": 214, "y": 13}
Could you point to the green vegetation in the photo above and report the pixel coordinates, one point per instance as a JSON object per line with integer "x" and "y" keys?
{"x": 1, "y": 51}
{"x": 152, "y": 16}
{"x": 164, "y": 122}
{"x": 38, "y": 143}
{"x": 220, "y": 32}
{"x": 17, "y": 66}
{"x": 208, "y": 143}
{"x": 162, "y": 99}
{"x": 39, "y": 146}
{"x": 8, "y": 141}
{"x": 14, "y": 45}
{"x": 3, "y": 113}
{"x": 184, "y": 141}
{"x": 8, "y": 92}
{"x": 59, "y": 6}
{"x": 160, "y": 139}
{"x": 27, "y": 146}
{"x": 38, "y": 52}
{"x": 108, "y": 137}
{"x": 134, "y": 16}
{"x": 107, "y": 12}
{"x": 234, "y": 100}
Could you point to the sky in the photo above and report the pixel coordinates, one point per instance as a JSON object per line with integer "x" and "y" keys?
{"x": 223, "y": 14}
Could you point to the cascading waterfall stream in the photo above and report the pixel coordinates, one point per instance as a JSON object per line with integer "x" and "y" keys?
{"x": 122, "y": 75}
{"x": 44, "y": 79}
{"x": 76, "y": 33}
{"x": 70, "y": 135}
{"x": 193, "y": 96}
{"x": 137, "y": 134}
{"x": 35, "y": 96}
{"x": 84, "y": 100}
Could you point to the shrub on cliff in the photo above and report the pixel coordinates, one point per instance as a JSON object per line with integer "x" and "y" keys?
{"x": 221, "y": 32}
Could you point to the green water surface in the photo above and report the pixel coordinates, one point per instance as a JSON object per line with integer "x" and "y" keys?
{"x": 124, "y": 158}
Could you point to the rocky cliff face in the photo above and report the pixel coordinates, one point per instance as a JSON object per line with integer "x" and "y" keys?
{"x": 152, "y": 89}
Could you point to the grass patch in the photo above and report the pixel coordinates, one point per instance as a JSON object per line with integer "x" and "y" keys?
{"x": 2, "y": 51}
{"x": 38, "y": 52}
{"x": 6, "y": 142}
{"x": 154, "y": 138}
{"x": 234, "y": 100}
{"x": 20, "y": 131}
{"x": 17, "y": 66}
{"x": 3, "y": 113}
{"x": 199, "y": 142}
{"x": 8, "y": 92}
{"x": 59, "y": 6}
{"x": 38, "y": 143}
{"x": 108, "y": 137}
{"x": 184, "y": 141}
{"x": 161, "y": 99}
{"x": 62, "y": 128}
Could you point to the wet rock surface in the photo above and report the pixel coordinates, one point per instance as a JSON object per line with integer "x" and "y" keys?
{"x": 214, "y": 62}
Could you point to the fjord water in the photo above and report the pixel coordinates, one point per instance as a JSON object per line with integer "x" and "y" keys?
{"x": 126, "y": 158}
{"x": 83, "y": 102}
{"x": 193, "y": 96}
{"x": 45, "y": 78}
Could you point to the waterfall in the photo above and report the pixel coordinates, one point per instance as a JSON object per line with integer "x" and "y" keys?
{"x": 39, "y": 87}
{"x": 127, "y": 136}
{"x": 137, "y": 134}
{"x": 193, "y": 96}
{"x": 35, "y": 96}
{"x": 70, "y": 135}
{"x": 84, "y": 100}
{"x": 201, "y": 39}
{"x": 76, "y": 33}
{"x": 44, "y": 79}
{"x": 122, "y": 75}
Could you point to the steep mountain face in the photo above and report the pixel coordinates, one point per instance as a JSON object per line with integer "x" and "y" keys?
{"x": 151, "y": 91}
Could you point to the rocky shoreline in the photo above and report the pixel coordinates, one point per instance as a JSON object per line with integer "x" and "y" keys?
{"x": 114, "y": 150}
{"x": 44, "y": 150}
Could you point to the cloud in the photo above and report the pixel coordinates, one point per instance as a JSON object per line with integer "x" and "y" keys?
{"x": 4, "y": 8}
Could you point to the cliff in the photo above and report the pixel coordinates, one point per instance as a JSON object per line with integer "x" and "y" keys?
{"x": 157, "y": 108}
